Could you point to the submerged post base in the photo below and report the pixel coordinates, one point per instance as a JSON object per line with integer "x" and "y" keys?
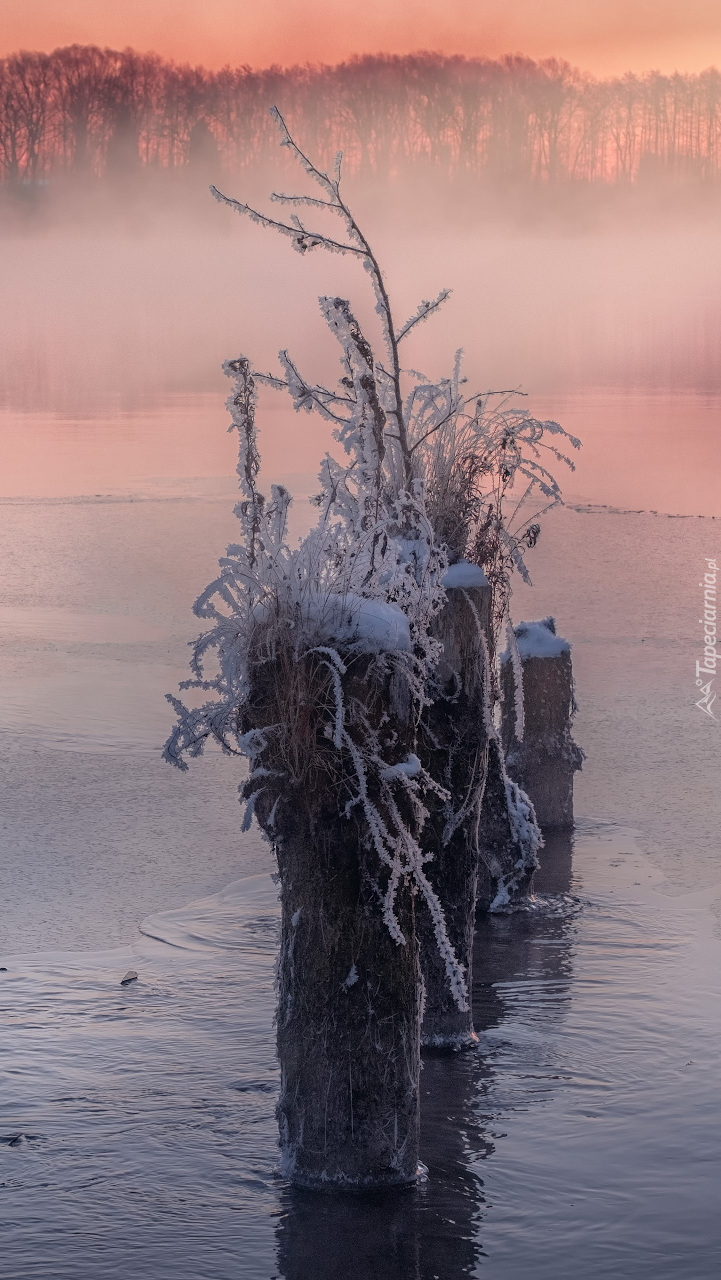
{"x": 452, "y": 1041}
{"x": 339, "y": 1182}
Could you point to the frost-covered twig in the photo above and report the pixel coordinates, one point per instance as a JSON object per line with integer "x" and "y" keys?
{"x": 424, "y": 311}
{"x": 305, "y": 238}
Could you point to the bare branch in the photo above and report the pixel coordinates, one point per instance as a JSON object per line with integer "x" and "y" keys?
{"x": 302, "y": 239}
{"x": 425, "y": 309}
{"x": 277, "y": 384}
{"x": 280, "y": 197}
{"x": 287, "y": 141}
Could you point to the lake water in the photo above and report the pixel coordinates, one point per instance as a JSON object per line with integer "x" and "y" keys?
{"x": 137, "y": 1134}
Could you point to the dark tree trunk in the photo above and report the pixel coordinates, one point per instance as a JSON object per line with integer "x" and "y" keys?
{"x": 348, "y": 1021}
{"x": 454, "y": 740}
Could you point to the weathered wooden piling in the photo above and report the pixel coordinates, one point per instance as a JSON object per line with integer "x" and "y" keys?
{"x": 454, "y": 737}
{"x": 348, "y": 1020}
{"x": 508, "y": 836}
{"x": 544, "y": 761}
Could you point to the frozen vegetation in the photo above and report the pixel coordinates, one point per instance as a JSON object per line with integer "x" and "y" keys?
{"x": 323, "y": 666}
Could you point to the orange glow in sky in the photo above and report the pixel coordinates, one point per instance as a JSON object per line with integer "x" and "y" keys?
{"x": 602, "y": 36}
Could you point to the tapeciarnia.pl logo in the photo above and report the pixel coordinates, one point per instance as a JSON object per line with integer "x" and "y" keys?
{"x": 707, "y": 667}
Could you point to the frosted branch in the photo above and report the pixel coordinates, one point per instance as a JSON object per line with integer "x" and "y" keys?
{"x": 425, "y": 310}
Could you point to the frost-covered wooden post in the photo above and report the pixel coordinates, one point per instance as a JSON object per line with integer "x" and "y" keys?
{"x": 545, "y": 759}
{"x": 454, "y": 734}
{"x": 509, "y": 837}
{"x": 348, "y": 1021}
{"x": 487, "y": 859}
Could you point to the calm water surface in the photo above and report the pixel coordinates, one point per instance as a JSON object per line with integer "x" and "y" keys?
{"x": 137, "y": 1135}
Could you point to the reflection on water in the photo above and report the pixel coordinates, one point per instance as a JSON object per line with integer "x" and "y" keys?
{"x": 138, "y": 1131}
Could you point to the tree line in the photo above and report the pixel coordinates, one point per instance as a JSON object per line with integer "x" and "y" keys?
{"x": 83, "y": 111}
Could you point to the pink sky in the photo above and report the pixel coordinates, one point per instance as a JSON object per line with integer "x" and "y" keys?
{"x": 603, "y": 36}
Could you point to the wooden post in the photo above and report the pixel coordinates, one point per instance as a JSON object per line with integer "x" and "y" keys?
{"x": 454, "y": 739}
{"x": 349, "y": 995}
{"x": 544, "y": 761}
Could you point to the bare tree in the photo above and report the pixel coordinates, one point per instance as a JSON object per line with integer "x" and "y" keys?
{"x": 510, "y": 120}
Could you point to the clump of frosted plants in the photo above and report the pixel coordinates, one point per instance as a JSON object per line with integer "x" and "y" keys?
{"x": 484, "y": 461}
{"x": 360, "y": 589}
{"x": 428, "y": 476}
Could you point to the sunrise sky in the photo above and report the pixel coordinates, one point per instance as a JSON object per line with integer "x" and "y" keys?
{"x": 603, "y": 36}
